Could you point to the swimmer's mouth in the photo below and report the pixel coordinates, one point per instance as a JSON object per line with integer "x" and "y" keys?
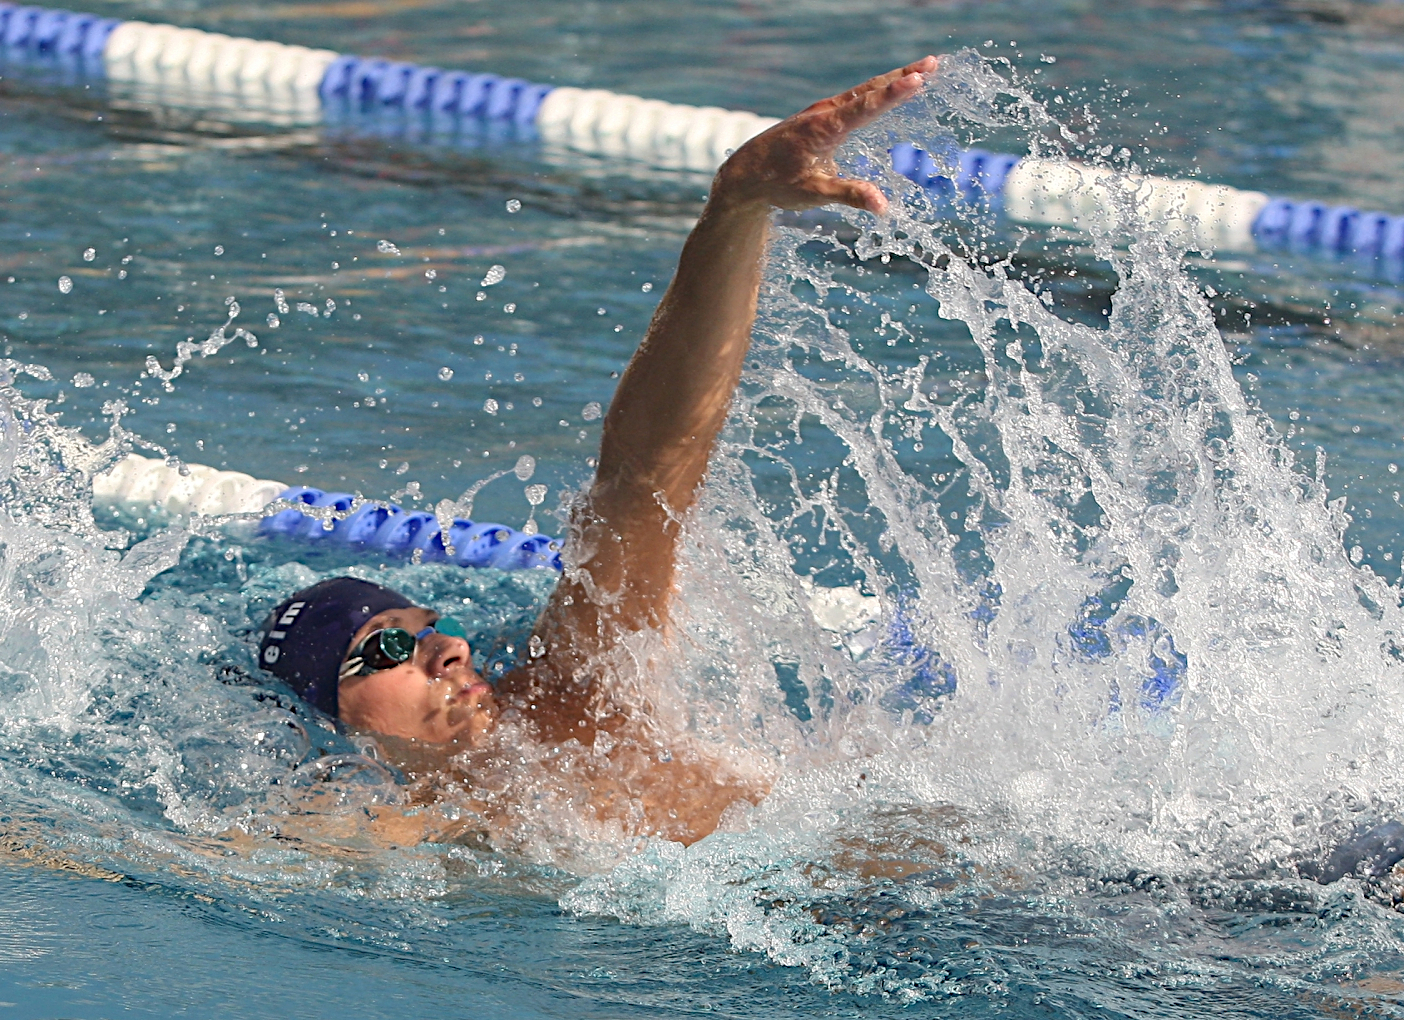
{"x": 477, "y": 686}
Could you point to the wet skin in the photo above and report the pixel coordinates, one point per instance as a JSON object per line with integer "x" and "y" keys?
{"x": 435, "y": 696}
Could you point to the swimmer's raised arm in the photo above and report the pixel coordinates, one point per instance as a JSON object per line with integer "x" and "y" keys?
{"x": 676, "y": 391}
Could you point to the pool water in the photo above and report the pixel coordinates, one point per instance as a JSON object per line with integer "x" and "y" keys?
{"x": 1135, "y": 513}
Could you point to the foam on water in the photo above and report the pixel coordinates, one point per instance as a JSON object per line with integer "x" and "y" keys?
{"x": 1125, "y": 670}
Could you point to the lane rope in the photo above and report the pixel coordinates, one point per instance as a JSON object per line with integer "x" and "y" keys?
{"x": 295, "y": 84}
{"x": 139, "y": 486}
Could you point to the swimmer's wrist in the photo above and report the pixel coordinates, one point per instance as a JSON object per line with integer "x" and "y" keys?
{"x": 736, "y": 190}
{"x": 735, "y": 204}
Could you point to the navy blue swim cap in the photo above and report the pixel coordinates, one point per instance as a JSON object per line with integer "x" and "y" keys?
{"x": 307, "y": 636}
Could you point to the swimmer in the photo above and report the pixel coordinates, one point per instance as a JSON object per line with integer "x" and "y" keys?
{"x": 371, "y": 658}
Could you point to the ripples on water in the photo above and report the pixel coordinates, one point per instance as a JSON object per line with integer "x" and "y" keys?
{"x": 1014, "y": 809}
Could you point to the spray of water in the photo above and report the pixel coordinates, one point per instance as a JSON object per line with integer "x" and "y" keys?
{"x": 1121, "y": 631}
{"x": 1116, "y": 640}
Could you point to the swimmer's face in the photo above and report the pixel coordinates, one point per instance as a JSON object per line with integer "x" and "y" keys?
{"x": 435, "y": 695}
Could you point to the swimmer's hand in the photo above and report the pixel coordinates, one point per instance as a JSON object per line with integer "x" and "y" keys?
{"x": 791, "y": 166}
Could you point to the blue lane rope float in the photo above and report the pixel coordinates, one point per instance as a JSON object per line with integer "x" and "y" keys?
{"x": 272, "y": 82}
{"x": 415, "y": 535}
{"x": 143, "y": 485}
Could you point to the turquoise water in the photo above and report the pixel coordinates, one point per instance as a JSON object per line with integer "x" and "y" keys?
{"x": 1048, "y": 842}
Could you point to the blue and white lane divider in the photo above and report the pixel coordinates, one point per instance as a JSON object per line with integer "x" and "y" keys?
{"x": 140, "y": 485}
{"x": 294, "y": 84}
{"x": 1206, "y": 217}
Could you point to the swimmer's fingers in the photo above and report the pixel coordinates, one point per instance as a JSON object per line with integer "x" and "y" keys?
{"x": 829, "y": 189}
{"x": 864, "y": 103}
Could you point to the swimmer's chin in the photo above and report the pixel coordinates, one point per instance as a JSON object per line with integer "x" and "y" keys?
{"x": 470, "y": 717}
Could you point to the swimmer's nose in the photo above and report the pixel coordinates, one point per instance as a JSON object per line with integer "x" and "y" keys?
{"x": 446, "y": 654}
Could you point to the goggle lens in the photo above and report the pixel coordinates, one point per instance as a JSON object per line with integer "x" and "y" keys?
{"x": 393, "y": 646}
{"x": 448, "y": 625}
{"x": 387, "y": 648}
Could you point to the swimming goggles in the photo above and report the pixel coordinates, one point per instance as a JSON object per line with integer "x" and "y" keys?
{"x": 390, "y": 646}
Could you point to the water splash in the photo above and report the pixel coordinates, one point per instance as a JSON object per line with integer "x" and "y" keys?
{"x": 1105, "y": 670}
{"x": 1123, "y": 633}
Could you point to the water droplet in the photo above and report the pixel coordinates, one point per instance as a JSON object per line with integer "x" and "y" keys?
{"x": 646, "y": 287}
{"x": 331, "y": 307}
{"x": 495, "y": 274}
{"x": 65, "y": 285}
{"x": 386, "y": 248}
{"x": 513, "y": 205}
{"x": 89, "y": 254}
{"x": 510, "y": 307}
{"x": 234, "y": 309}
{"x": 591, "y": 411}
{"x": 404, "y": 466}
{"x": 273, "y": 321}
{"x": 601, "y": 311}
{"x": 525, "y": 467}
{"x": 445, "y": 373}
{"x": 490, "y": 405}
{"x": 431, "y": 274}
{"x": 535, "y": 494}
{"x": 82, "y": 380}
{"x": 219, "y": 249}
{"x": 280, "y": 301}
